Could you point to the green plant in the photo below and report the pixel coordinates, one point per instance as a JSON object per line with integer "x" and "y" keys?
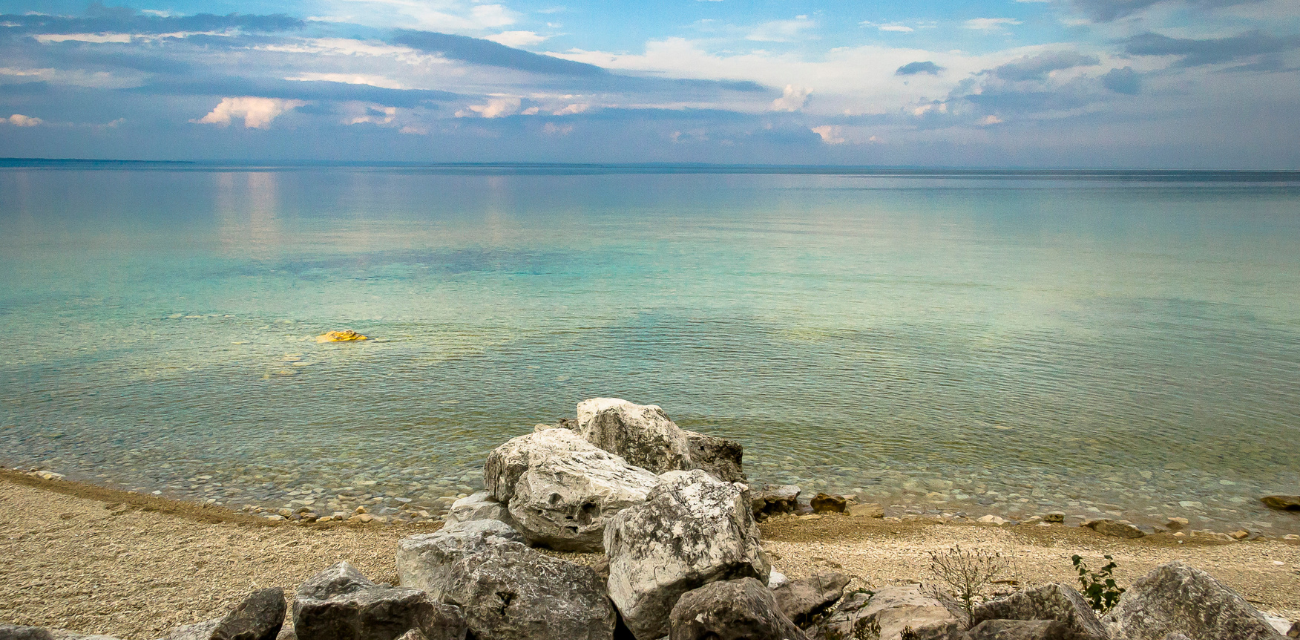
{"x": 1099, "y": 587}
{"x": 967, "y": 573}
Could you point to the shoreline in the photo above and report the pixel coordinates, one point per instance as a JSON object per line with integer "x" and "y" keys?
{"x": 100, "y": 560}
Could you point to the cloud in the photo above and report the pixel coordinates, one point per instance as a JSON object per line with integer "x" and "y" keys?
{"x": 914, "y": 68}
{"x": 990, "y": 120}
{"x": 829, "y": 134}
{"x": 1195, "y": 53}
{"x": 1037, "y": 67}
{"x": 897, "y": 28}
{"x": 781, "y": 30}
{"x": 792, "y": 99}
{"x": 126, "y": 21}
{"x": 516, "y": 38}
{"x": 495, "y": 108}
{"x": 990, "y": 24}
{"x": 300, "y": 89}
{"x": 20, "y": 120}
{"x": 348, "y": 78}
{"x": 375, "y": 115}
{"x": 552, "y": 129}
{"x": 1110, "y": 10}
{"x": 432, "y": 15}
{"x": 478, "y": 51}
{"x": 1122, "y": 81}
{"x": 256, "y": 112}
{"x": 572, "y": 109}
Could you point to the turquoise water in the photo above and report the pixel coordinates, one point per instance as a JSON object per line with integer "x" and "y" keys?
{"x": 973, "y": 342}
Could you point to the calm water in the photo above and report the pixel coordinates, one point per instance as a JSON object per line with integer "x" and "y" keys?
{"x": 986, "y": 343}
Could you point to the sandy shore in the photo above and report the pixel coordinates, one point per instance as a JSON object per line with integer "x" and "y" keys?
{"x": 96, "y": 560}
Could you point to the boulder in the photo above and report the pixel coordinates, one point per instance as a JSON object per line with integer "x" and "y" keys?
{"x": 692, "y": 529}
{"x": 1177, "y": 598}
{"x": 341, "y": 604}
{"x": 718, "y": 456}
{"x": 887, "y": 613}
{"x": 560, "y": 490}
{"x": 770, "y": 501}
{"x": 800, "y": 600}
{"x": 867, "y": 510}
{"x": 424, "y": 561}
{"x": 1284, "y": 503}
{"x": 260, "y": 616}
{"x": 1295, "y": 630}
{"x": 1021, "y": 630}
{"x": 477, "y": 506}
{"x": 197, "y": 631}
{"x": 731, "y": 610}
{"x": 20, "y": 632}
{"x": 511, "y": 592}
{"x": 1049, "y": 602}
{"x": 641, "y": 434}
{"x": 826, "y": 503}
{"x": 1114, "y": 528}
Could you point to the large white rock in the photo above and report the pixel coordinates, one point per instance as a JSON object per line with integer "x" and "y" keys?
{"x": 478, "y": 506}
{"x": 692, "y": 530}
{"x": 560, "y": 490}
{"x": 1178, "y": 598}
{"x": 642, "y": 434}
{"x": 887, "y": 613}
{"x": 424, "y": 561}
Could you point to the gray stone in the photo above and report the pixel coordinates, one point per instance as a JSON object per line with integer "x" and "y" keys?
{"x": 692, "y": 530}
{"x": 800, "y": 600}
{"x": 341, "y": 604}
{"x": 826, "y": 503}
{"x": 641, "y": 434}
{"x": 731, "y": 610}
{"x": 197, "y": 631}
{"x": 1177, "y": 598}
{"x": 887, "y": 613}
{"x": 20, "y": 632}
{"x": 719, "y": 456}
{"x": 1295, "y": 630}
{"x": 512, "y": 592}
{"x": 1284, "y": 503}
{"x": 477, "y": 506}
{"x": 1022, "y": 630}
{"x": 1055, "y": 517}
{"x": 1048, "y": 602}
{"x": 770, "y": 501}
{"x": 259, "y": 617}
{"x": 424, "y": 561}
{"x": 561, "y": 490}
{"x": 1114, "y": 528}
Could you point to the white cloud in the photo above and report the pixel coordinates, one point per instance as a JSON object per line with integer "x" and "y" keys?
{"x": 20, "y": 120}
{"x": 495, "y": 108}
{"x": 256, "y": 112}
{"x": 74, "y": 77}
{"x": 830, "y": 134}
{"x": 453, "y": 16}
{"x": 991, "y": 120}
{"x": 349, "y": 78}
{"x": 414, "y": 130}
{"x": 781, "y": 30}
{"x": 372, "y": 116}
{"x": 896, "y": 28}
{"x": 84, "y": 37}
{"x": 990, "y": 24}
{"x": 792, "y": 99}
{"x": 571, "y": 109}
{"x": 516, "y": 38}
{"x": 552, "y": 129}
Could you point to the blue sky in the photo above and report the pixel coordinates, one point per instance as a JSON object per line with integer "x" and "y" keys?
{"x": 982, "y": 83}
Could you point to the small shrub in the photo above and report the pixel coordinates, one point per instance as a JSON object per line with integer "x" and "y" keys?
{"x": 1099, "y": 587}
{"x": 967, "y": 573}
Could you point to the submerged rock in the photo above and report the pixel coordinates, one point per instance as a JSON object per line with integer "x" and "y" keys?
{"x": 867, "y": 510}
{"x": 693, "y": 529}
{"x": 826, "y": 503}
{"x": 512, "y": 592}
{"x": 560, "y": 490}
{"x": 1114, "y": 528}
{"x": 731, "y": 610}
{"x": 1177, "y": 598}
{"x": 1284, "y": 503}
{"x": 346, "y": 335}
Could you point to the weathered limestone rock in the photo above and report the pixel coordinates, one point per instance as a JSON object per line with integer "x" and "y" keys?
{"x": 560, "y": 490}
{"x": 641, "y": 434}
{"x": 866, "y": 510}
{"x": 197, "y": 631}
{"x": 258, "y": 617}
{"x": 1113, "y": 528}
{"x": 424, "y": 561}
{"x": 826, "y": 503}
{"x": 731, "y": 610}
{"x": 692, "y": 530}
{"x": 1177, "y": 598}
{"x": 719, "y": 456}
{"x": 341, "y": 604}
{"x": 1021, "y": 630}
{"x": 800, "y": 600}
{"x": 1049, "y": 602}
{"x": 511, "y": 592}
{"x": 1284, "y": 503}
{"x": 886, "y": 614}
{"x": 477, "y": 506}
{"x": 770, "y": 501}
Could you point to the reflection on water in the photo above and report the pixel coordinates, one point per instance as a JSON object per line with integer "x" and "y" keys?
{"x": 1000, "y": 344}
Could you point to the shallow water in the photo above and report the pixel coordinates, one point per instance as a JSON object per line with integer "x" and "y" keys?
{"x": 983, "y": 343}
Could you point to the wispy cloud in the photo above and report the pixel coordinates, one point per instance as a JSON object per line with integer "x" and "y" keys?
{"x": 781, "y": 30}
{"x": 990, "y": 24}
{"x": 516, "y": 38}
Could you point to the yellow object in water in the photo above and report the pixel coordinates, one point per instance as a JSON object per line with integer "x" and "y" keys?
{"x": 346, "y": 335}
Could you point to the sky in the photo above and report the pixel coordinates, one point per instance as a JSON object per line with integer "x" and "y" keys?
{"x": 1212, "y": 84}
